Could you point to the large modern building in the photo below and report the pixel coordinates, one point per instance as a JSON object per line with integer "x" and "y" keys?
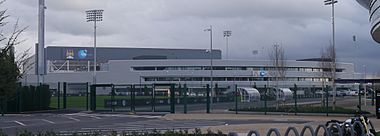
{"x": 374, "y": 17}
{"x": 184, "y": 66}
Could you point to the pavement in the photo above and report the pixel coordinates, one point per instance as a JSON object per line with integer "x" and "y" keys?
{"x": 219, "y": 120}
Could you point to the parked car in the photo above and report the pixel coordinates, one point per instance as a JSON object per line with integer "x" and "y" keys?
{"x": 353, "y": 93}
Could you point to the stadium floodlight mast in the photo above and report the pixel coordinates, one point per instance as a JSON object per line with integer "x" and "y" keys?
{"x": 94, "y": 16}
{"x": 211, "y": 65}
{"x": 332, "y": 3}
{"x": 227, "y": 34}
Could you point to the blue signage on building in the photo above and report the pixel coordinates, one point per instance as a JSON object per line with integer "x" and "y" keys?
{"x": 263, "y": 73}
{"x": 82, "y": 54}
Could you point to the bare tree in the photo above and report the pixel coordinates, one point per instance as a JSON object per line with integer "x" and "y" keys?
{"x": 278, "y": 60}
{"x": 9, "y": 64}
{"x": 328, "y": 65}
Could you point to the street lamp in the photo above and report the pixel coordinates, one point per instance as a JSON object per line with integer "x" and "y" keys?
{"x": 211, "y": 57}
{"x": 226, "y": 34}
{"x": 94, "y": 16}
{"x": 332, "y": 3}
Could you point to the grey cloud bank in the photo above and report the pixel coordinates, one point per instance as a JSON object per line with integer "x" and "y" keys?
{"x": 303, "y": 27}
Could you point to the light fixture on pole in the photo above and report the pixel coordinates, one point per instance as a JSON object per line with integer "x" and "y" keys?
{"x": 211, "y": 65}
{"x": 226, "y": 34}
{"x": 332, "y": 3}
{"x": 94, "y": 16}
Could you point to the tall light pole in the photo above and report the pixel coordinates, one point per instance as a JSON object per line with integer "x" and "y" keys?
{"x": 41, "y": 41}
{"x": 227, "y": 34}
{"x": 211, "y": 66}
{"x": 332, "y": 3}
{"x": 94, "y": 16}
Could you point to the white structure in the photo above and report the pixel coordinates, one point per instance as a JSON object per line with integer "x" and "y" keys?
{"x": 284, "y": 94}
{"x": 249, "y": 94}
{"x": 184, "y": 66}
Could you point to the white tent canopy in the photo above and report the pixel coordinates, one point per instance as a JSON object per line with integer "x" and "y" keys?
{"x": 285, "y": 94}
{"x": 249, "y": 94}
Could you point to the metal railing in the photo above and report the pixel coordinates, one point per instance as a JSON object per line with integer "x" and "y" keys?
{"x": 334, "y": 129}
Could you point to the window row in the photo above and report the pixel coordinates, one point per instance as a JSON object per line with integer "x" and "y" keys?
{"x": 230, "y": 68}
{"x": 234, "y": 79}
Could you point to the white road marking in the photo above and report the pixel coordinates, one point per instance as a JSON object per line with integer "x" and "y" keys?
{"x": 95, "y": 117}
{"x": 113, "y": 115}
{"x": 18, "y": 122}
{"x": 73, "y": 118}
{"x": 48, "y": 121}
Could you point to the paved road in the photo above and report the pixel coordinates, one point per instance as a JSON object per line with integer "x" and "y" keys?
{"x": 89, "y": 122}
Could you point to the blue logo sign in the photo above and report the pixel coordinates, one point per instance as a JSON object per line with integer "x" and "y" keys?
{"x": 263, "y": 73}
{"x": 82, "y": 54}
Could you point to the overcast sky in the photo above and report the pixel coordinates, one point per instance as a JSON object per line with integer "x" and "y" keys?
{"x": 302, "y": 27}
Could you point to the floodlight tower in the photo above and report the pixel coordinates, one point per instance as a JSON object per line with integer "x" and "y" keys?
{"x": 40, "y": 50}
{"x": 94, "y": 16}
{"x": 226, "y": 34}
{"x": 211, "y": 65}
{"x": 332, "y": 3}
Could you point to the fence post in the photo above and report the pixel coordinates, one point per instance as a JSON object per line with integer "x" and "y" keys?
{"x": 20, "y": 100}
{"x": 373, "y": 94}
{"x": 172, "y": 98}
{"x": 87, "y": 84}
{"x": 92, "y": 98}
{"x": 113, "y": 98}
{"x": 208, "y": 98}
{"x": 216, "y": 90}
{"x": 295, "y": 99}
{"x": 59, "y": 95}
{"x": 185, "y": 99}
{"x": 154, "y": 98}
{"x": 133, "y": 109}
{"x": 64, "y": 95}
{"x": 265, "y": 99}
{"x": 2, "y": 106}
{"x": 236, "y": 99}
{"x": 327, "y": 100}
{"x": 360, "y": 99}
